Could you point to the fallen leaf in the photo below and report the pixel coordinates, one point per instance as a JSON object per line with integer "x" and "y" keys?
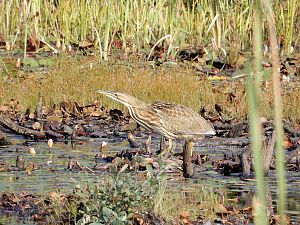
{"x": 95, "y": 114}
{"x": 50, "y": 143}
{"x": 186, "y": 221}
{"x": 184, "y": 214}
{"x": 233, "y": 200}
{"x": 32, "y": 151}
{"x": 247, "y": 209}
{"x": 36, "y": 126}
{"x": 3, "y": 108}
{"x": 276, "y": 218}
{"x": 45, "y": 110}
{"x": 31, "y": 115}
{"x": 221, "y": 209}
{"x": 56, "y": 119}
{"x": 286, "y": 142}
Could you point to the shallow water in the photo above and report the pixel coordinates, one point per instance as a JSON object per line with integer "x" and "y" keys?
{"x": 52, "y": 173}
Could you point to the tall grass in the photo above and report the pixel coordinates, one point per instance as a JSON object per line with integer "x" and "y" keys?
{"x": 255, "y": 126}
{"x": 280, "y": 165}
{"x": 139, "y": 23}
{"x": 285, "y": 14}
{"x": 255, "y": 129}
{"x": 196, "y": 199}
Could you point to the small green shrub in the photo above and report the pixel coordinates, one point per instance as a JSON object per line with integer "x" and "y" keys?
{"x": 116, "y": 199}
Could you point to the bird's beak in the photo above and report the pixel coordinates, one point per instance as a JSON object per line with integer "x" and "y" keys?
{"x": 107, "y": 93}
{"x": 104, "y": 92}
{"x": 110, "y": 94}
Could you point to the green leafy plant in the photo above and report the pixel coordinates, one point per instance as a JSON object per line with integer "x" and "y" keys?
{"x": 115, "y": 200}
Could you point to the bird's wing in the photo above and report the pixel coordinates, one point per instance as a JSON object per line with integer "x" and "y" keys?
{"x": 181, "y": 121}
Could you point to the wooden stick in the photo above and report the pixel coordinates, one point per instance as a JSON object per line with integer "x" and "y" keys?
{"x": 5, "y": 121}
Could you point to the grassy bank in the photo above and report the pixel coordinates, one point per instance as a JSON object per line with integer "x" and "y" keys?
{"x": 74, "y": 80}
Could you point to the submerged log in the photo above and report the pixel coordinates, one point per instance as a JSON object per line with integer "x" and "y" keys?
{"x": 294, "y": 157}
{"x": 267, "y": 154}
{"x": 291, "y": 131}
{"x": 187, "y": 159}
{"x": 21, "y": 130}
{"x": 233, "y": 142}
{"x": 246, "y": 162}
{"x": 237, "y": 130}
{"x": 3, "y": 139}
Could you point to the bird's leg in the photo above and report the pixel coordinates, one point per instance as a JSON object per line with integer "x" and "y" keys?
{"x": 162, "y": 144}
{"x": 148, "y": 144}
{"x": 169, "y": 148}
{"x": 187, "y": 159}
{"x": 191, "y": 143}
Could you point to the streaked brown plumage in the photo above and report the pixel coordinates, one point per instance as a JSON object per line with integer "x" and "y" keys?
{"x": 168, "y": 119}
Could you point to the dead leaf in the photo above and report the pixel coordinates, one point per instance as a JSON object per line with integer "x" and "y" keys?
{"x": 54, "y": 119}
{"x": 231, "y": 97}
{"x": 117, "y": 161}
{"x": 247, "y": 209}
{"x": 50, "y": 143}
{"x": 146, "y": 161}
{"x": 233, "y": 200}
{"x": 95, "y": 114}
{"x": 286, "y": 142}
{"x": 184, "y": 214}
{"x": 220, "y": 209}
{"x": 45, "y": 110}
{"x": 29, "y": 168}
{"x": 3, "y": 108}
{"x": 36, "y": 126}
{"x": 57, "y": 112}
{"x": 13, "y": 103}
{"x": 275, "y": 220}
{"x": 31, "y": 115}
{"x": 3, "y": 167}
{"x": 186, "y": 221}
{"x": 32, "y": 151}
{"x": 218, "y": 108}
{"x": 53, "y": 195}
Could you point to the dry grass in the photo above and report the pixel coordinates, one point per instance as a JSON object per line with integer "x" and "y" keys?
{"x": 77, "y": 80}
{"x": 198, "y": 200}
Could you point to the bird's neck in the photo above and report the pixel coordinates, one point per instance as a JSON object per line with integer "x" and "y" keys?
{"x": 140, "y": 104}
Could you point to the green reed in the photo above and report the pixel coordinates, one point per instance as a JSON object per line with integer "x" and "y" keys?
{"x": 285, "y": 14}
{"x": 139, "y": 23}
{"x": 280, "y": 158}
{"x": 255, "y": 130}
{"x": 255, "y": 125}
{"x": 107, "y": 30}
{"x": 260, "y": 216}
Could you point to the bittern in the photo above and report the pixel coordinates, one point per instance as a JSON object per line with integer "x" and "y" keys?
{"x": 167, "y": 119}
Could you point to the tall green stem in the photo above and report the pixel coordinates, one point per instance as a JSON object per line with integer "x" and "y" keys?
{"x": 280, "y": 165}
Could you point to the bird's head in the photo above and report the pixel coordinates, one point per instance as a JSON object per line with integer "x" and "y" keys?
{"x": 123, "y": 98}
